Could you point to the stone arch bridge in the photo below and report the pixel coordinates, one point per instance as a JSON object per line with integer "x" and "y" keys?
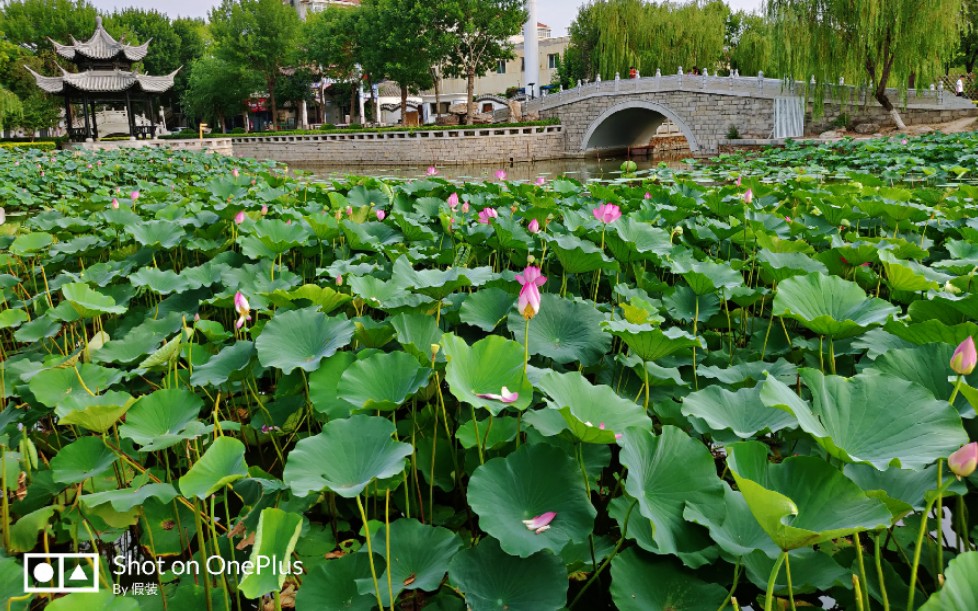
{"x": 614, "y": 115}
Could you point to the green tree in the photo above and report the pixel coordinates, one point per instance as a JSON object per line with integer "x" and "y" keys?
{"x": 867, "y": 42}
{"x": 479, "y": 37}
{"x": 259, "y": 35}
{"x": 403, "y": 46}
{"x": 29, "y": 23}
{"x": 329, "y": 41}
{"x": 968, "y": 45}
{"x": 751, "y": 49}
{"x": 10, "y": 108}
{"x": 217, "y": 90}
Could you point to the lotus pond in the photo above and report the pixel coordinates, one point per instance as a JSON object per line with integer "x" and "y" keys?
{"x": 737, "y": 386}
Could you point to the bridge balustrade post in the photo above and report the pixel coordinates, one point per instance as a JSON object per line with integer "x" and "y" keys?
{"x": 679, "y": 73}
{"x": 760, "y": 80}
{"x": 617, "y": 81}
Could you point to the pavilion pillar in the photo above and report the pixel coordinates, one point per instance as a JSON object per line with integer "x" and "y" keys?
{"x": 68, "y": 119}
{"x": 88, "y": 128}
{"x": 130, "y": 117}
{"x": 94, "y": 122}
{"x": 152, "y": 116}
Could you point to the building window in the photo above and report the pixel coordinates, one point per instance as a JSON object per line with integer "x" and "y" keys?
{"x": 553, "y": 60}
{"x": 501, "y": 67}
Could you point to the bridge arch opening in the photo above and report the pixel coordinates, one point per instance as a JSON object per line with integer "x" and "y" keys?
{"x": 633, "y": 124}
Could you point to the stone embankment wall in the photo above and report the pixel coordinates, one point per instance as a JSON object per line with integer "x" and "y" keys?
{"x": 873, "y": 113}
{"x": 223, "y": 146}
{"x": 444, "y": 147}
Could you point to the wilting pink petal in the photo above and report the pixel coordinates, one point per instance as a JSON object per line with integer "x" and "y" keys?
{"x": 431, "y": 171}
{"x": 533, "y": 226}
{"x": 381, "y": 215}
{"x": 964, "y": 358}
{"x": 500, "y": 174}
{"x": 243, "y": 308}
{"x": 963, "y": 462}
{"x": 115, "y": 203}
{"x": 541, "y": 181}
{"x": 540, "y": 523}
{"x": 607, "y": 213}
{"x": 134, "y": 195}
{"x": 504, "y": 396}
{"x": 239, "y": 218}
{"x": 531, "y": 275}
{"x": 487, "y": 213}
{"x": 453, "y": 201}
{"x": 748, "y": 196}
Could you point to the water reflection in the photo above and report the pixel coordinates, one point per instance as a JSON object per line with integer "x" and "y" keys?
{"x": 579, "y": 169}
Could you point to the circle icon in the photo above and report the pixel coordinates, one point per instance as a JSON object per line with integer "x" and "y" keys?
{"x": 43, "y": 572}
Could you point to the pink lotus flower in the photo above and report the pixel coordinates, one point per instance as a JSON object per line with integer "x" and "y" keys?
{"x": 534, "y": 226}
{"x": 349, "y": 210}
{"x": 748, "y": 196}
{"x": 89, "y": 166}
{"x": 264, "y": 209}
{"x": 738, "y": 181}
{"x": 453, "y": 201}
{"x": 500, "y": 174}
{"x": 243, "y": 309}
{"x": 504, "y": 396}
{"x": 607, "y": 213}
{"x": 431, "y": 171}
{"x": 115, "y": 204}
{"x": 787, "y": 219}
{"x": 904, "y": 141}
{"x": 528, "y": 303}
{"x": 541, "y": 523}
{"x": 339, "y": 280}
{"x": 381, "y": 215}
{"x": 963, "y": 462}
{"x": 487, "y": 213}
{"x": 541, "y": 181}
{"x": 648, "y": 195}
{"x": 964, "y": 358}
{"x": 239, "y": 218}
{"x": 134, "y": 195}
{"x": 465, "y": 208}
{"x": 234, "y": 172}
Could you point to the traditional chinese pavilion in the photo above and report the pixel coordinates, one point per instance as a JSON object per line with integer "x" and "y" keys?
{"x": 104, "y": 76}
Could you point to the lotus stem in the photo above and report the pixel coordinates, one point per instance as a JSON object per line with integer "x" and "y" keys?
{"x": 858, "y": 592}
{"x": 940, "y": 516}
{"x": 879, "y": 572}
{"x": 791, "y": 592}
{"x": 370, "y": 553}
{"x": 769, "y": 596}
{"x": 645, "y": 372}
{"x": 862, "y": 565}
{"x": 526, "y": 347}
{"x": 607, "y": 561}
{"x": 733, "y": 587}
{"x": 696, "y": 319}
{"x": 957, "y": 387}
{"x": 387, "y": 533}
{"x": 916, "y": 554}
{"x": 202, "y": 547}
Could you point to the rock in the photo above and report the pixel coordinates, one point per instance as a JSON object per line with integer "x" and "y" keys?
{"x": 830, "y": 135}
{"x": 515, "y": 111}
{"x": 867, "y": 128}
{"x": 447, "y": 120}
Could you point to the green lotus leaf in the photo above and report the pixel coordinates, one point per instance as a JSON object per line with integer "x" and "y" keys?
{"x": 30, "y": 243}
{"x": 371, "y": 236}
{"x": 594, "y": 413}
{"x": 345, "y": 457}
{"x": 439, "y": 283}
{"x": 898, "y": 423}
{"x": 652, "y": 343}
{"x": 830, "y": 306}
{"x": 639, "y": 237}
{"x": 275, "y": 539}
{"x": 417, "y": 333}
{"x": 485, "y": 368}
{"x": 492, "y": 580}
{"x": 812, "y": 571}
{"x": 333, "y": 585}
{"x": 486, "y": 308}
{"x": 732, "y": 526}
{"x": 706, "y": 277}
{"x": 11, "y": 319}
{"x": 909, "y": 275}
{"x": 803, "y": 501}
{"x": 382, "y": 381}
{"x": 326, "y": 298}
{"x": 419, "y": 557}
{"x": 927, "y": 366}
{"x": 385, "y": 294}
{"x": 96, "y": 413}
{"x": 126, "y": 499}
{"x": 632, "y": 589}
{"x": 902, "y": 490}
{"x": 960, "y": 589}
{"x": 779, "y": 266}
{"x": 502, "y": 431}
{"x": 300, "y": 339}
{"x": 741, "y": 412}
{"x": 24, "y": 532}
{"x": 12, "y": 584}
{"x": 51, "y": 386}
{"x": 667, "y": 473}
{"x": 103, "y": 600}
{"x": 930, "y": 332}
{"x": 163, "y": 419}
{"x": 80, "y": 460}
{"x": 162, "y": 281}
{"x": 578, "y": 256}
{"x": 161, "y": 234}
{"x": 222, "y": 366}
{"x": 221, "y": 464}
{"x": 533, "y": 480}
{"x": 564, "y": 330}
{"x": 88, "y": 302}
{"x": 323, "y": 385}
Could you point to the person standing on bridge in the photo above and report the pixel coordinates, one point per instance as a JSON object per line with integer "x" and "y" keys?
{"x": 959, "y": 86}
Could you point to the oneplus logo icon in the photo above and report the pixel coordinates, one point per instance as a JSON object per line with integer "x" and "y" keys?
{"x": 60, "y": 573}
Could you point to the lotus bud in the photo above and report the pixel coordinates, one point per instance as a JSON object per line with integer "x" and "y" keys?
{"x": 530, "y": 259}
{"x": 500, "y": 174}
{"x": 115, "y": 204}
{"x": 235, "y": 172}
{"x": 339, "y": 280}
{"x": 435, "y": 349}
{"x": 748, "y": 196}
{"x": 738, "y": 181}
{"x": 963, "y": 462}
{"x": 239, "y": 218}
{"x": 648, "y": 195}
{"x": 453, "y": 201}
{"x": 950, "y": 288}
{"x": 465, "y": 208}
{"x": 381, "y": 215}
{"x": 134, "y": 195}
{"x": 964, "y": 358}
{"x": 264, "y": 209}
{"x": 349, "y": 210}
{"x": 541, "y": 181}
{"x": 533, "y": 226}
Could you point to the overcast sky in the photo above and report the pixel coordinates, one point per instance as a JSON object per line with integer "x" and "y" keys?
{"x": 556, "y": 13}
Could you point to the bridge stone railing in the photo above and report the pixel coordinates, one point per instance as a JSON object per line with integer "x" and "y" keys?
{"x": 741, "y": 86}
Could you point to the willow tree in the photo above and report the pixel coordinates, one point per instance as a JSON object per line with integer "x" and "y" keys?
{"x": 866, "y": 42}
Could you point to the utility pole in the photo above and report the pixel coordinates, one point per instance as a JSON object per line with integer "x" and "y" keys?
{"x": 531, "y": 51}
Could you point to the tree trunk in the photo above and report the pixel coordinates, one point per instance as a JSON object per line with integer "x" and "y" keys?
{"x": 353, "y": 102}
{"x": 437, "y": 79}
{"x": 220, "y": 121}
{"x": 470, "y": 97}
{"x": 247, "y": 121}
{"x": 880, "y": 93}
{"x": 271, "y": 95}
{"x": 404, "y": 93}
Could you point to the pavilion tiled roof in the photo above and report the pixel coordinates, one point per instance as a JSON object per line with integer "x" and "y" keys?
{"x": 104, "y": 81}
{"x": 101, "y": 46}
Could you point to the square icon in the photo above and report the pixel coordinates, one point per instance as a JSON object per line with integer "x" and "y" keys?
{"x": 61, "y": 573}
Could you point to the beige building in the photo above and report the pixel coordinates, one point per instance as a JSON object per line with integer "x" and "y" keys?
{"x": 305, "y": 7}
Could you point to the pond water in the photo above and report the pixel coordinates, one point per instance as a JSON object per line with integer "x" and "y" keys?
{"x": 580, "y": 169}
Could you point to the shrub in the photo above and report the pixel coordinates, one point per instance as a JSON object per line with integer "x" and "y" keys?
{"x": 733, "y": 133}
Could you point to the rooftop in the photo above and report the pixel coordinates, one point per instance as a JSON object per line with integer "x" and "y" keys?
{"x": 101, "y": 46}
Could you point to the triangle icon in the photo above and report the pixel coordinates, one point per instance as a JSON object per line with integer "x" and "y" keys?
{"x": 78, "y": 574}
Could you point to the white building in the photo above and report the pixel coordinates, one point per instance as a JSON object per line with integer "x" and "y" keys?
{"x": 305, "y": 7}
